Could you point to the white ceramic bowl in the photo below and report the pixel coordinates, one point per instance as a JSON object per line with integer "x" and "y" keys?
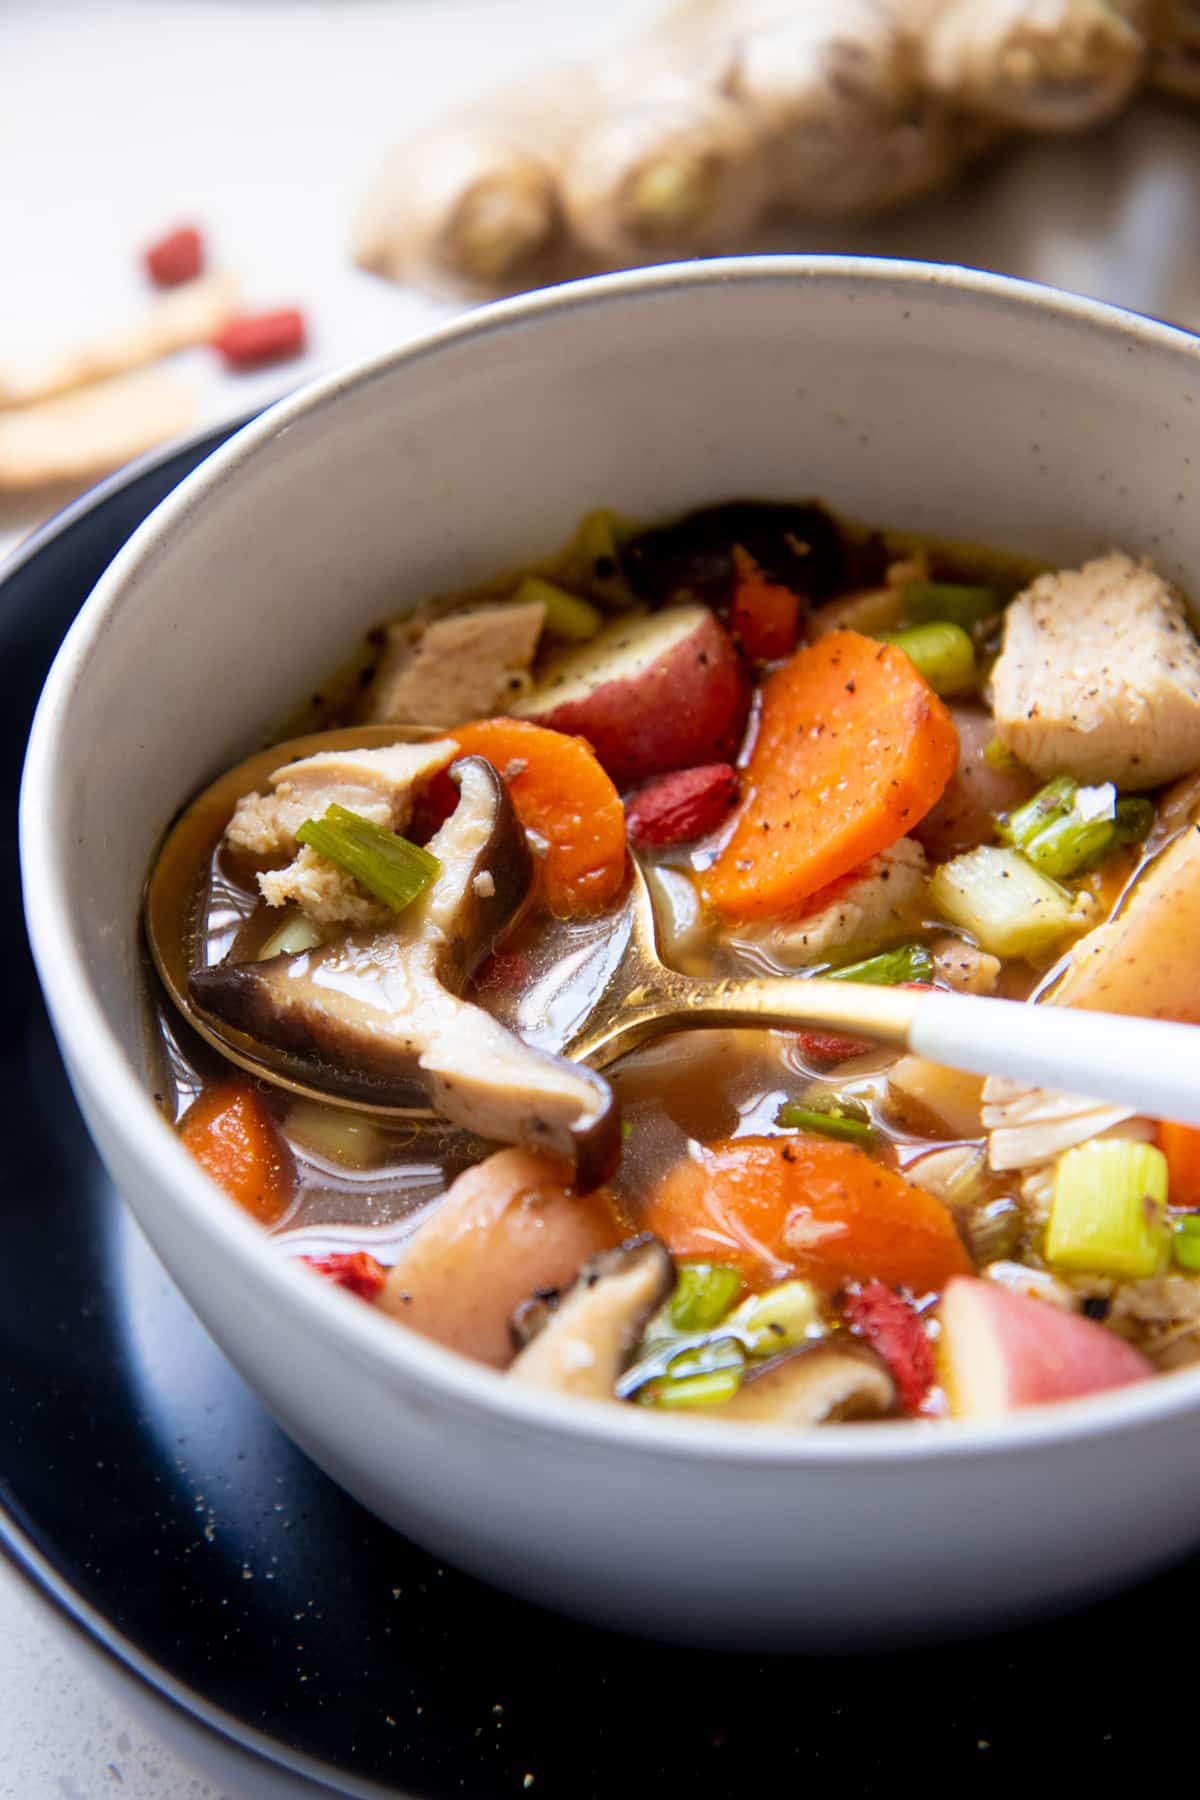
{"x": 919, "y": 396}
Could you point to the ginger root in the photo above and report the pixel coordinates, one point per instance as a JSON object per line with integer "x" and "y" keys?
{"x": 730, "y": 113}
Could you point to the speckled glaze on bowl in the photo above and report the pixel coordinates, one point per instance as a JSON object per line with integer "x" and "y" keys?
{"x": 921, "y": 396}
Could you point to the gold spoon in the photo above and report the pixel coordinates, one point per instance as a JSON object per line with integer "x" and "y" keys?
{"x": 1151, "y": 1065}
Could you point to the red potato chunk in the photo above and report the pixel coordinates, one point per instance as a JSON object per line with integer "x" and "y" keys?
{"x": 1001, "y": 1351}
{"x": 657, "y": 692}
{"x": 505, "y": 1229}
{"x": 965, "y": 814}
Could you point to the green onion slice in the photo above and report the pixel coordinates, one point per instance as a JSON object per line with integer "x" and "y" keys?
{"x": 831, "y": 1124}
{"x": 704, "y": 1293}
{"x": 926, "y": 602}
{"x": 943, "y": 654}
{"x": 1066, "y": 828}
{"x": 909, "y": 962}
{"x": 386, "y": 864}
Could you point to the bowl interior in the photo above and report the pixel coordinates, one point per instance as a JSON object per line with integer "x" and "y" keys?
{"x": 920, "y": 398}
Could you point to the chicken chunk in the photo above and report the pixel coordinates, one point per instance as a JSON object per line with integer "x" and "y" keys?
{"x": 1146, "y": 960}
{"x": 963, "y": 966}
{"x": 1099, "y": 676}
{"x": 859, "y": 915}
{"x": 464, "y": 666}
{"x": 379, "y": 785}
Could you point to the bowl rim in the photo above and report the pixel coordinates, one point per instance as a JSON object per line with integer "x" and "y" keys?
{"x": 381, "y": 1343}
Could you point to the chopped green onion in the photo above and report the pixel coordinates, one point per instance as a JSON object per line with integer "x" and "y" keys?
{"x": 1185, "y": 1243}
{"x": 626, "y": 1130}
{"x": 1134, "y": 818}
{"x": 926, "y": 602}
{"x": 780, "y": 1319}
{"x": 332, "y": 1132}
{"x": 1108, "y": 1215}
{"x": 943, "y": 654}
{"x": 832, "y": 1123}
{"x": 1065, "y": 828}
{"x": 704, "y": 1293}
{"x": 704, "y": 1375}
{"x": 568, "y": 617}
{"x": 1007, "y": 905}
{"x": 296, "y": 934}
{"x": 910, "y": 962}
{"x": 386, "y": 864}
{"x": 997, "y": 755}
{"x": 710, "y": 1389}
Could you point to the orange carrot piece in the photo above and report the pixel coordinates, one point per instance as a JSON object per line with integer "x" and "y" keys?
{"x": 1180, "y": 1144}
{"x": 561, "y": 793}
{"x": 853, "y": 749}
{"x": 232, "y": 1134}
{"x": 778, "y": 1206}
{"x": 764, "y": 614}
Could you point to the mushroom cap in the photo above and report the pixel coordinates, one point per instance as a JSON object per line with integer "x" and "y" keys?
{"x": 379, "y": 1017}
{"x": 587, "y": 1338}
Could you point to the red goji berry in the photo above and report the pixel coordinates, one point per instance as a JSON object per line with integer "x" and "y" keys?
{"x": 255, "y": 338}
{"x": 175, "y": 258}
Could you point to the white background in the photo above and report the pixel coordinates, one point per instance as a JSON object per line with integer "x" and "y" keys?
{"x": 260, "y": 119}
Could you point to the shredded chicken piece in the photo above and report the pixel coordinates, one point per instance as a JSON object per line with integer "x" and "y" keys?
{"x": 1099, "y": 676}
{"x": 964, "y": 966}
{"x": 319, "y": 888}
{"x": 463, "y": 666}
{"x": 861, "y": 913}
{"x": 379, "y": 785}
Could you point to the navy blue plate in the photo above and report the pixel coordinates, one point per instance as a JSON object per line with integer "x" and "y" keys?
{"x": 144, "y": 1488}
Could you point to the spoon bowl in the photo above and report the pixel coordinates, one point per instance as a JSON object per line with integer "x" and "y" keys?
{"x": 1143, "y": 1062}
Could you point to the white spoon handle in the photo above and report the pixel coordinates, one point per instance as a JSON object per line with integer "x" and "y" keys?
{"x": 1149, "y": 1064}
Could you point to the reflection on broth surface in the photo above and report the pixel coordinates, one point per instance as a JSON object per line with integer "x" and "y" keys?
{"x": 832, "y": 751}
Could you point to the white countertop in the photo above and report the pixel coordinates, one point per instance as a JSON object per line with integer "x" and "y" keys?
{"x": 260, "y": 119}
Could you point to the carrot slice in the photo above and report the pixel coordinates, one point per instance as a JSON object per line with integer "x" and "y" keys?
{"x": 853, "y": 749}
{"x": 808, "y": 1206}
{"x": 1180, "y": 1144}
{"x": 232, "y": 1134}
{"x": 562, "y": 794}
{"x": 764, "y": 614}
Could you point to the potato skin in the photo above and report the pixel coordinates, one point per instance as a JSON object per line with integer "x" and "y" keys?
{"x": 505, "y": 1229}
{"x": 688, "y": 706}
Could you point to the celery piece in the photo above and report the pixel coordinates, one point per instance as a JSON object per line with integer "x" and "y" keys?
{"x": 1108, "y": 1215}
{"x": 1134, "y": 818}
{"x": 909, "y": 962}
{"x": 568, "y": 617}
{"x": 386, "y": 864}
{"x": 942, "y": 653}
{"x": 704, "y": 1293}
{"x": 297, "y": 933}
{"x": 1185, "y": 1243}
{"x": 831, "y": 1123}
{"x": 1065, "y": 828}
{"x": 592, "y": 560}
{"x": 780, "y": 1319}
{"x": 928, "y": 602}
{"x": 997, "y": 755}
{"x": 332, "y": 1132}
{"x": 1007, "y": 905}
